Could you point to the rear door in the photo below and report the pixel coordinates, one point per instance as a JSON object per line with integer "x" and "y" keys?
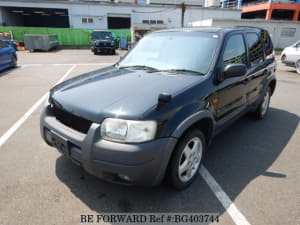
{"x": 231, "y": 91}
{"x": 5, "y": 56}
{"x": 256, "y": 66}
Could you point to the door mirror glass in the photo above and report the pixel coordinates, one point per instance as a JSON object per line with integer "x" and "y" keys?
{"x": 235, "y": 70}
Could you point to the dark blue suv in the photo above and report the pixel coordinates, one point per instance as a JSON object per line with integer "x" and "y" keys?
{"x": 152, "y": 115}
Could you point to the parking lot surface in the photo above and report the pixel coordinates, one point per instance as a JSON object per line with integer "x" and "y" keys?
{"x": 255, "y": 163}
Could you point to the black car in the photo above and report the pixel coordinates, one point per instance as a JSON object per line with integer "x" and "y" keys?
{"x": 152, "y": 115}
{"x": 102, "y": 41}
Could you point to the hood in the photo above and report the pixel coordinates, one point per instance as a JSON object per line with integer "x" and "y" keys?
{"x": 115, "y": 92}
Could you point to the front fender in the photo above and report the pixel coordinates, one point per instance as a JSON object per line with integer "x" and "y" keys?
{"x": 185, "y": 118}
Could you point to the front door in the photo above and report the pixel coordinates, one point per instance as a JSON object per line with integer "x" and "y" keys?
{"x": 231, "y": 91}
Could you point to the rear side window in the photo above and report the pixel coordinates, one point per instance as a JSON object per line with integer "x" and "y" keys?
{"x": 255, "y": 47}
{"x": 3, "y": 45}
{"x": 235, "y": 51}
{"x": 267, "y": 43}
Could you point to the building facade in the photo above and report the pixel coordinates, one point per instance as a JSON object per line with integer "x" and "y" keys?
{"x": 266, "y": 9}
{"x": 104, "y": 14}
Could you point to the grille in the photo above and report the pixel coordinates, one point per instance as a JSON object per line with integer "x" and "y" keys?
{"x": 101, "y": 44}
{"x": 77, "y": 123}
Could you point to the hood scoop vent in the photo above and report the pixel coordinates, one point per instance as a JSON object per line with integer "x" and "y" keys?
{"x": 163, "y": 99}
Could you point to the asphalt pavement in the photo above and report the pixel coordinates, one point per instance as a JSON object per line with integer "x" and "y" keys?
{"x": 255, "y": 163}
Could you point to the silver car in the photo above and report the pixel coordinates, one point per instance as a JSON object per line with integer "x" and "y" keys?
{"x": 291, "y": 56}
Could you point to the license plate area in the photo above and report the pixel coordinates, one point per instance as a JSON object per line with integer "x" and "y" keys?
{"x": 60, "y": 143}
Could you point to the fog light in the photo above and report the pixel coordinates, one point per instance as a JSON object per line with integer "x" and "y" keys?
{"x": 124, "y": 177}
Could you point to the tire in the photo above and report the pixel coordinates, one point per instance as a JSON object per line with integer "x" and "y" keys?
{"x": 14, "y": 61}
{"x": 297, "y": 65}
{"x": 186, "y": 159}
{"x": 263, "y": 107}
{"x": 113, "y": 52}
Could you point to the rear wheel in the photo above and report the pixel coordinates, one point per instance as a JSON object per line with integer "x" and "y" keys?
{"x": 186, "y": 159}
{"x": 263, "y": 107}
{"x": 297, "y": 64}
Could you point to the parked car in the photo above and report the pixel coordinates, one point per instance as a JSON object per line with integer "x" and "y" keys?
{"x": 291, "y": 56}
{"x": 11, "y": 43}
{"x": 152, "y": 115}
{"x": 8, "y": 56}
{"x": 103, "y": 42}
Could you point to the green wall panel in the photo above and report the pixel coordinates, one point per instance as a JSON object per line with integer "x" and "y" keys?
{"x": 66, "y": 36}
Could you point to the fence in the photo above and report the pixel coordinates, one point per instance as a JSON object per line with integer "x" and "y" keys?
{"x": 66, "y": 36}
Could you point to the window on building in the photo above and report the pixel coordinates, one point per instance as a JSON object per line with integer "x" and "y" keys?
{"x": 86, "y": 20}
{"x": 288, "y": 32}
{"x": 146, "y": 21}
{"x": 255, "y": 47}
{"x": 160, "y": 22}
{"x": 152, "y": 21}
{"x": 235, "y": 51}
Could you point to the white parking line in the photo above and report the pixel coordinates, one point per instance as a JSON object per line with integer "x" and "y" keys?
{"x": 228, "y": 205}
{"x": 14, "y": 127}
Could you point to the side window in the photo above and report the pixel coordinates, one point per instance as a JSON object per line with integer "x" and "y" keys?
{"x": 255, "y": 46}
{"x": 235, "y": 51}
{"x": 267, "y": 43}
{"x": 298, "y": 45}
{"x": 3, "y": 45}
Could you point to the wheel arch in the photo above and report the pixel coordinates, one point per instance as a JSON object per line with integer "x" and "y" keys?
{"x": 202, "y": 120}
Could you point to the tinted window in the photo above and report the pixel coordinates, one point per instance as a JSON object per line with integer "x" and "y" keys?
{"x": 3, "y": 45}
{"x": 174, "y": 51}
{"x": 235, "y": 51}
{"x": 255, "y": 46}
{"x": 267, "y": 43}
{"x": 298, "y": 45}
{"x": 101, "y": 35}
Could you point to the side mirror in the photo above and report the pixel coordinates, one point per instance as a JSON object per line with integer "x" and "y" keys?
{"x": 234, "y": 70}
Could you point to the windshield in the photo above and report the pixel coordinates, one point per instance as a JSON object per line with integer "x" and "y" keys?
{"x": 182, "y": 51}
{"x": 101, "y": 35}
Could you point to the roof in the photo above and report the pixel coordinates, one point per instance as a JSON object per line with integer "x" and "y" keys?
{"x": 210, "y": 29}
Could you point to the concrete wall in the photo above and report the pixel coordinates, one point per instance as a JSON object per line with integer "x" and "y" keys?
{"x": 171, "y": 15}
{"x": 283, "y": 33}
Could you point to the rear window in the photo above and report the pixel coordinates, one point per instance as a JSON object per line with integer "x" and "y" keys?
{"x": 255, "y": 47}
{"x": 267, "y": 43}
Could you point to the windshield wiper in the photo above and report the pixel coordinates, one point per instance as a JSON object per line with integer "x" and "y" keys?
{"x": 142, "y": 67}
{"x": 183, "y": 70}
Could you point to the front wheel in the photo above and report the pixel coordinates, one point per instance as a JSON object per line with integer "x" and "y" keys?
{"x": 14, "y": 61}
{"x": 297, "y": 64}
{"x": 263, "y": 107}
{"x": 186, "y": 159}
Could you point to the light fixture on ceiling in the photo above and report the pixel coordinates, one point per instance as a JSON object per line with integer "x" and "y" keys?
{"x": 17, "y": 11}
{"x": 39, "y": 12}
{"x": 59, "y": 13}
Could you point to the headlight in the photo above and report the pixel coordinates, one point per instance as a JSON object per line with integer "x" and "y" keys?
{"x": 130, "y": 131}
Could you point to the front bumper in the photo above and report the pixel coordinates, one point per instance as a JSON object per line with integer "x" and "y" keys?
{"x": 102, "y": 48}
{"x": 130, "y": 164}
